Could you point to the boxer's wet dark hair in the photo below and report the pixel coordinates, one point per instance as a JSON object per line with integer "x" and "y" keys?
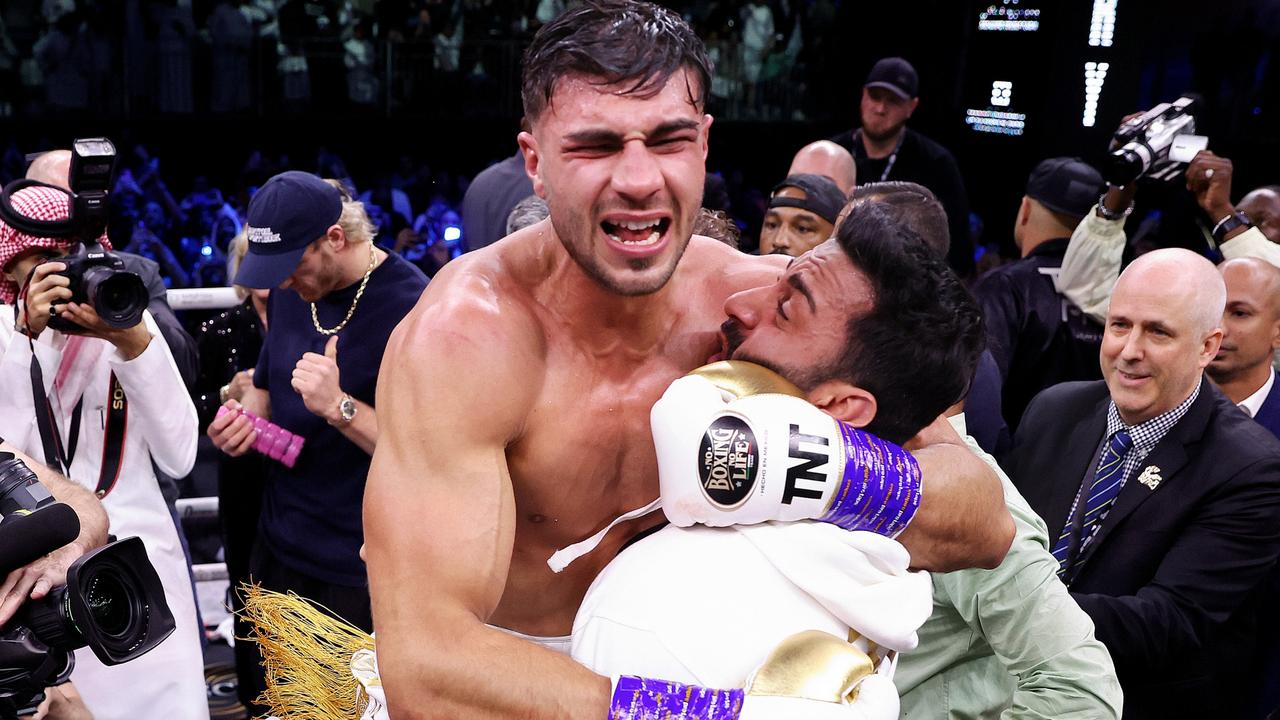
{"x": 638, "y": 45}
{"x": 916, "y": 349}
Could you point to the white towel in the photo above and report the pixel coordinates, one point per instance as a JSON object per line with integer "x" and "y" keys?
{"x": 706, "y": 605}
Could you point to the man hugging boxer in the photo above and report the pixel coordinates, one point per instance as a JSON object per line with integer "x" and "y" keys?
{"x": 878, "y": 334}
{"x": 557, "y": 341}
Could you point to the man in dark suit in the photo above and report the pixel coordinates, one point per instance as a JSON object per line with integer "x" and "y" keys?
{"x": 1250, "y": 338}
{"x": 1163, "y": 498}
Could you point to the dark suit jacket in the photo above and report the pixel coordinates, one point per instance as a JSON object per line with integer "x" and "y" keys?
{"x": 1171, "y": 577}
{"x": 1267, "y": 663}
{"x": 1269, "y": 414}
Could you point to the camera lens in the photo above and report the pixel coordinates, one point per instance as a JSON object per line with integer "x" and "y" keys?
{"x": 1126, "y": 164}
{"x": 118, "y": 296}
{"x": 112, "y": 604}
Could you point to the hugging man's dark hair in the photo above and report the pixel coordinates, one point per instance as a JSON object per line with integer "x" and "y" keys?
{"x": 918, "y": 206}
{"x": 916, "y": 348}
{"x": 634, "y": 43}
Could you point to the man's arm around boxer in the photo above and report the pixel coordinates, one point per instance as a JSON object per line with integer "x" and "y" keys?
{"x": 963, "y": 521}
{"x": 439, "y": 505}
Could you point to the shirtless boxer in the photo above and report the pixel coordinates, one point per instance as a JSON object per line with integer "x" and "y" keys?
{"x": 555, "y": 342}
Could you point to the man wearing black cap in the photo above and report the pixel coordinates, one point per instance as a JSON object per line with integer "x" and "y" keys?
{"x": 886, "y": 149}
{"x": 1037, "y": 336}
{"x": 802, "y": 214}
{"x": 310, "y": 243}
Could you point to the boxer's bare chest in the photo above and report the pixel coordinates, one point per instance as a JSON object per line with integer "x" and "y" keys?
{"x": 584, "y": 458}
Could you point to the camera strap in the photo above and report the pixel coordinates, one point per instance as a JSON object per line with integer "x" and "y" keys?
{"x": 114, "y": 434}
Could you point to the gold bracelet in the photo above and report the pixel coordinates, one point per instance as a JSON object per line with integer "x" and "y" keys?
{"x": 223, "y": 392}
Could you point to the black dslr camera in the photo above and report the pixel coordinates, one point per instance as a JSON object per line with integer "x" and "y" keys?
{"x": 113, "y": 601}
{"x": 98, "y": 277}
{"x": 1142, "y": 144}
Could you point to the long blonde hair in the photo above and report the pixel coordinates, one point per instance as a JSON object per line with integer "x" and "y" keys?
{"x": 354, "y": 220}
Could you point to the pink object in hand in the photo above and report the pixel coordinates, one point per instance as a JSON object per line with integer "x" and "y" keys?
{"x": 273, "y": 441}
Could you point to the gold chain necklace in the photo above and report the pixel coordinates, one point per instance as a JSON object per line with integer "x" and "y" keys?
{"x": 315, "y": 319}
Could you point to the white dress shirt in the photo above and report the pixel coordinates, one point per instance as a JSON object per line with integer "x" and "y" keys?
{"x": 1253, "y": 403}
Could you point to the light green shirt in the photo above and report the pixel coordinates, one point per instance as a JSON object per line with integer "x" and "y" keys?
{"x": 1008, "y": 642}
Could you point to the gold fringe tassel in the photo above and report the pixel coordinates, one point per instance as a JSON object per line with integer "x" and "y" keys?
{"x": 307, "y": 656}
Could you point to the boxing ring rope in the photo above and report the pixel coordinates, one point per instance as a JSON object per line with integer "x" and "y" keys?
{"x": 203, "y": 298}
{"x": 198, "y": 507}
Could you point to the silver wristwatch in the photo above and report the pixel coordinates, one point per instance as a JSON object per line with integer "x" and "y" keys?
{"x": 347, "y": 409}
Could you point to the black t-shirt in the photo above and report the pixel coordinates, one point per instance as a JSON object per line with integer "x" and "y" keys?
{"x": 1037, "y": 336}
{"x": 311, "y": 514}
{"x": 923, "y": 161}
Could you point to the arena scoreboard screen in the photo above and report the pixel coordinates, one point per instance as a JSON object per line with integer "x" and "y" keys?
{"x": 1031, "y": 61}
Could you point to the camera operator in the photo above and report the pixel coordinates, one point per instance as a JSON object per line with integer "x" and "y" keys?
{"x": 117, "y": 396}
{"x": 36, "y": 580}
{"x": 1250, "y": 228}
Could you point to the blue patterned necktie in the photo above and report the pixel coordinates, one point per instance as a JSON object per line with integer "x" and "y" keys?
{"x": 1102, "y": 494}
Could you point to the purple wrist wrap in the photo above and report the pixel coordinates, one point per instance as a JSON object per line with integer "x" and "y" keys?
{"x": 637, "y": 698}
{"x": 880, "y": 491}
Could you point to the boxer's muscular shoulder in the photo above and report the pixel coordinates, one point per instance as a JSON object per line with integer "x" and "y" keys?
{"x": 476, "y": 296}
{"x": 473, "y": 326}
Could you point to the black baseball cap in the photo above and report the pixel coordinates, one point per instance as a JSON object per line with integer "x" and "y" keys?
{"x": 1066, "y": 185}
{"x": 822, "y": 196}
{"x": 289, "y": 212}
{"x": 896, "y": 75}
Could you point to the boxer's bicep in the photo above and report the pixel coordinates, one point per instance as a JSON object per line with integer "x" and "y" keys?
{"x": 439, "y": 509}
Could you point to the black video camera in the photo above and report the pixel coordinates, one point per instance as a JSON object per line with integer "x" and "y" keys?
{"x": 113, "y": 601}
{"x": 98, "y": 277}
{"x": 1143, "y": 143}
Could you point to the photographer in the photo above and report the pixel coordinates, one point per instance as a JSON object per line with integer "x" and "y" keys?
{"x": 54, "y": 168}
{"x": 116, "y": 395}
{"x": 36, "y": 580}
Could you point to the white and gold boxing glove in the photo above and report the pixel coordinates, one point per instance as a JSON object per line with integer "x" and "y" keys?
{"x": 739, "y": 445}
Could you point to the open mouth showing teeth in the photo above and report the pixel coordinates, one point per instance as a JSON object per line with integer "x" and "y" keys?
{"x": 638, "y": 234}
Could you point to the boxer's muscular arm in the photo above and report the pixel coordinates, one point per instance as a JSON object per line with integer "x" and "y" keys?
{"x": 963, "y": 521}
{"x": 439, "y": 521}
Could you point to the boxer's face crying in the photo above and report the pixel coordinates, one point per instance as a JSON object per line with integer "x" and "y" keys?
{"x": 622, "y": 174}
{"x": 798, "y": 325}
